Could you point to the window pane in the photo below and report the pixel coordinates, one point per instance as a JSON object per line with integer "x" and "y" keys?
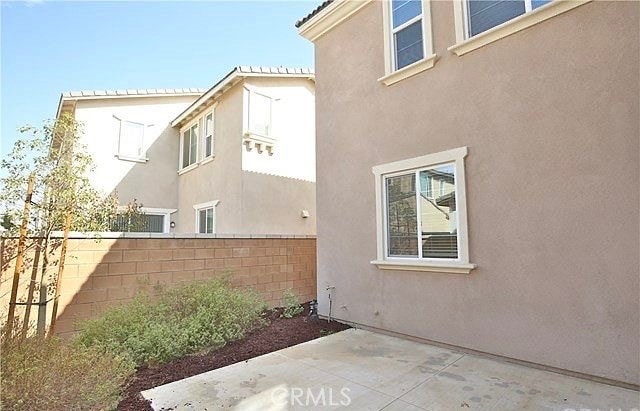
{"x": 131, "y": 135}
{"x": 202, "y": 221}
{"x": 259, "y": 114}
{"x": 405, "y": 10}
{"x": 439, "y": 223}
{"x": 155, "y": 223}
{"x": 409, "y": 48}
{"x": 537, "y": 3}
{"x": 208, "y": 125}
{"x": 193, "y": 151}
{"x": 402, "y": 234}
{"x": 485, "y": 14}
{"x": 207, "y": 146}
{"x": 210, "y": 220}
{"x": 185, "y": 148}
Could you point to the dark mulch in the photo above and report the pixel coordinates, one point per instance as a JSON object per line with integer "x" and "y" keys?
{"x": 279, "y": 333}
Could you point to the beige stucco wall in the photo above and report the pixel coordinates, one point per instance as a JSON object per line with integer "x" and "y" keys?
{"x": 131, "y": 179}
{"x": 255, "y": 197}
{"x": 293, "y": 119}
{"x": 551, "y": 119}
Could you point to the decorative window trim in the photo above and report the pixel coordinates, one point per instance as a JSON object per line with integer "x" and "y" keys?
{"x": 465, "y": 44}
{"x": 143, "y": 158}
{"x": 251, "y": 139}
{"x": 461, "y": 264}
{"x": 205, "y": 206}
{"x": 392, "y": 75}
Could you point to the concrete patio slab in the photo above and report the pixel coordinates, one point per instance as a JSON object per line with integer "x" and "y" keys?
{"x": 361, "y": 370}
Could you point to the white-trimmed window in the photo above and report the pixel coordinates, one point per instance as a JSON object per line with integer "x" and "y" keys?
{"x": 150, "y": 220}
{"x": 420, "y": 227}
{"x": 208, "y": 126}
{"x": 189, "y": 146}
{"x": 130, "y": 140}
{"x": 408, "y": 40}
{"x": 482, "y": 15}
{"x": 206, "y": 217}
{"x": 259, "y": 114}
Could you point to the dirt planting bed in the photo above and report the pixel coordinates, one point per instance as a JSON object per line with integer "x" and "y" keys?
{"x": 277, "y": 334}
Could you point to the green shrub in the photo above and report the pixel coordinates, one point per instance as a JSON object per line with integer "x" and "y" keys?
{"x": 292, "y": 305}
{"x": 179, "y": 321}
{"x": 50, "y": 374}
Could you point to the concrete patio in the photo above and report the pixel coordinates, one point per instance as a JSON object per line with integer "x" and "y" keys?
{"x": 360, "y": 370}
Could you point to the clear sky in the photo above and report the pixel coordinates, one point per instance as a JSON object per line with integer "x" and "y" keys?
{"x": 48, "y": 47}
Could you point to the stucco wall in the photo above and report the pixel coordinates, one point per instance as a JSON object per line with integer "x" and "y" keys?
{"x": 293, "y": 116}
{"x": 265, "y": 199}
{"x": 551, "y": 119}
{"x": 131, "y": 179}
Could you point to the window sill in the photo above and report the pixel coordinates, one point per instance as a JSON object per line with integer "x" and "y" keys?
{"x": 207, "y": 159}
{"x": 259, "y": 137}
{"x": 410, "y": 70}
{"x": 429, "y": 266}
{"x": 188, "y": 168}
{"x": 133, "y": 159}
{"x": 515, "y": 25}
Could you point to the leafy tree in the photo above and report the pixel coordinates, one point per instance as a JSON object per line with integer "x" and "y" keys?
{"x": 63, "y": 197}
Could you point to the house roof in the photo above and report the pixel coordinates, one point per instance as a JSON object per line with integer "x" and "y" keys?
{"x": 232, "y": 78}
{"x": 313, "y": 13}
{"x": 69, "y": 98}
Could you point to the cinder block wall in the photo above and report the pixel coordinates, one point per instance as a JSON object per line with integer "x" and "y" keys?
{"x": 111, "y": 271}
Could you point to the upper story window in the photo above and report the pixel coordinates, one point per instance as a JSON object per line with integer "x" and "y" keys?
{"x": 484, "y": 14}
{"x": 421, "y": 207}
{"x": 189, "y": 146}
{"x": 208, "y": 135}
{"x": 130, "y": 140}
{"x": 259, "y": 114}
{"x": 408, "y": 40}
{"x": 408, "y": 44}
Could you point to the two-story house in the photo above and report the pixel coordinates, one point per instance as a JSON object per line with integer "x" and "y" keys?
{"x": 478, "y": 175}
{"x": 238, "y": 158}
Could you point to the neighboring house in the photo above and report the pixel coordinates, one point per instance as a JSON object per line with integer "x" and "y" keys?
{"x": 238, "y": 158}
{"x": 469, "y": 155}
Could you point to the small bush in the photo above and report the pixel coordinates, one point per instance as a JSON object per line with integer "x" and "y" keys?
{"x": 49, "y": 374}
{"x": 292, "y": 305}
{"x": 180, "y": 321}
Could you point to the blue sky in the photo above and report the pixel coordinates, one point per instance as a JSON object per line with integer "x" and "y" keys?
{"x": 54, "y": 46}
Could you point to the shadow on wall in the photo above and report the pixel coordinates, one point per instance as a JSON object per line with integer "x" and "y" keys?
{"x": 110, "y": 272}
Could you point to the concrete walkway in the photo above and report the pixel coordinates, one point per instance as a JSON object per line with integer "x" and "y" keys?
{"x": 360, "y": 370}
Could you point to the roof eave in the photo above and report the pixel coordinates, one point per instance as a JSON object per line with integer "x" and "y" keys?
{"x": 329, "y": 17}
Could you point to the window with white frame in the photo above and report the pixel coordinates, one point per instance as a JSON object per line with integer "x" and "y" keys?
{"x": 208, "y": 135}
{"x": 130, "y": 139}
{"x": 421, "y": 207}
{"x": 206, "y": 217}
{"x": 189, "y": 146}
{"x": 481, "y": 15}
{"x": 149, "y": 220}
{"x": 407, "y": 37}
{"x": 259, "y": 114}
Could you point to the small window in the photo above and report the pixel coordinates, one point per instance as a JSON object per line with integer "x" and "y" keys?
{"x": 143, "y": 223}
{"x": 422, "y": 213}
{"x": 484, "y": 14}
{"x": 205, "y": 221}
{"x": 131, "y": 140}
{"x": 260, "y": 107}
{"x": 189, "y": 146}
{"x": 208, "y": 135}
{"x": 206, "y": 217}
